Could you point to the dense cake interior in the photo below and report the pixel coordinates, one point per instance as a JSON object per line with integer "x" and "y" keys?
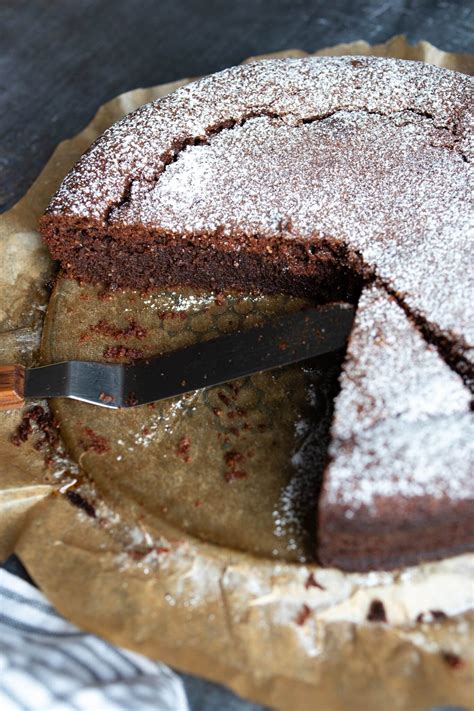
{"x": 137, "y": 257}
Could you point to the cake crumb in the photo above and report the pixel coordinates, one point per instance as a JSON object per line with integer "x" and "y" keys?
{"x": 232, "y": 457}
{"x": 105, "y": 328}
{"x": 105, "y": 294}
{"x": 119, "y": 352}
{"x": 183, "y": 448}
{"x": 37, "y": 420}
{"x": 81, "y": 503}
{"x": 431, "y": 615}
{"x": 223, "y": 398}
{"x": 453, "y": 660}
{"x": 235, "y": 474}
{"x": 303, "y": 614}
{"x": 232, "y": 460}
{"x": 131, "y": 400}
{"x": 376, "y": 612}
{"x": 94, "y": 442}
{"x": 172, "y": 315}
{"x": 311, "y": 582}
{"x": 106, "y": 397}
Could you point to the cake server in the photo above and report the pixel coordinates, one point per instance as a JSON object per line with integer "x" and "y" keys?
{"x": 287, "y": 339}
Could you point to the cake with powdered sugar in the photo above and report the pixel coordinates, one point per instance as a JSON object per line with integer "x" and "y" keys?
{"x": 402, "y": 448}
{"x": 341, "y": 179}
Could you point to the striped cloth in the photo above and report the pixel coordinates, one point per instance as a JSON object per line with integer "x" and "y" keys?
{"x": 47, "y": 664}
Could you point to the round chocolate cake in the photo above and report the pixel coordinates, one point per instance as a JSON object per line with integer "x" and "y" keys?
{"x": 338, "y": 179}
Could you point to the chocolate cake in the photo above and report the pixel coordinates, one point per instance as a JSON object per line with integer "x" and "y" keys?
{"x": 402, "y": 448}
{"x": 328, "y": 178}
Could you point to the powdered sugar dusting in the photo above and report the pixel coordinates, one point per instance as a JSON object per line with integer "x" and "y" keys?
{"x": 399, "y": 403}
{"x": 140, "y": 145}
{"x": 390, "y": 372}
{"x": 272, "y": 594}
{"x": 429, "y": 458}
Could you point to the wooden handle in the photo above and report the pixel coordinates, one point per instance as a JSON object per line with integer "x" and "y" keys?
{"x": 12, "y": 386}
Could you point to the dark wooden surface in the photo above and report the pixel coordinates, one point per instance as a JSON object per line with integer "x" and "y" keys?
{"x": 61, "y": 59}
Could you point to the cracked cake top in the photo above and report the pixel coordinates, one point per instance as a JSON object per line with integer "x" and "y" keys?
{"x": 370, "y": 153}
{"x": 139, "y": 147}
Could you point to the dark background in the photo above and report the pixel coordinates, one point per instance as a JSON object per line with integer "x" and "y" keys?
{"x": 61, "y": 59}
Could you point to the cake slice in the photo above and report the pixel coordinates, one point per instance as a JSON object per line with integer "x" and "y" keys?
{"x": 399, "y": 487}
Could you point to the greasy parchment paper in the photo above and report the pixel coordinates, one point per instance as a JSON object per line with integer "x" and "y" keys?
{"x": 144, "y": 578}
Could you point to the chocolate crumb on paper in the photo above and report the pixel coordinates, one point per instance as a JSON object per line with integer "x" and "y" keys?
{"x": 131, "y": 400}
{"x": 377, "y": 612}
{"x": 311, "y": 582}
{"x": 182, "y": 450}
{"x": 81, "y": 503}
{"x": 233, "y": 461}
{"x": 93, "y": 442}
{"x": 105, "y": 328}
{"x": 303, "y": 614}
{"x": 39, "y": 422}
{"x": 431, "y": 615}
{"x": 122, "y": 352}
{"x": 452, "y": 660}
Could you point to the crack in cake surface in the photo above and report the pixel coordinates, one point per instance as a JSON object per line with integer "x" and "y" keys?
{"x": 174, "y": 154}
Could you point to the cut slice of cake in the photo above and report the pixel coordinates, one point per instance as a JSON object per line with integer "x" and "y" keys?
{"x": 399, "y": 487}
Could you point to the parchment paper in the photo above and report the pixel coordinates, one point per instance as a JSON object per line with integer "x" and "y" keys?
{"x": 287, "y": 634}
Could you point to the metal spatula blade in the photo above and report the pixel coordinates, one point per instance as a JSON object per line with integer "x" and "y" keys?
{"x": 281, "y": 341}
